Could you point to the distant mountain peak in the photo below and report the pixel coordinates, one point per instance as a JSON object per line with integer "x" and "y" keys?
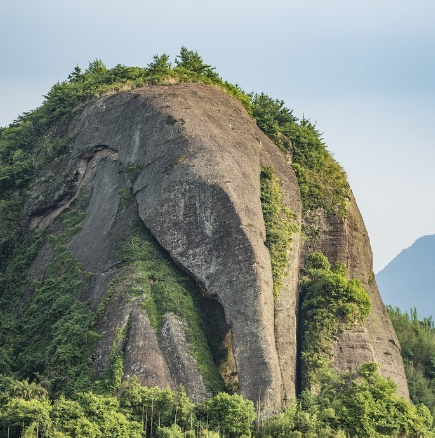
{"x": 409, "y": 279}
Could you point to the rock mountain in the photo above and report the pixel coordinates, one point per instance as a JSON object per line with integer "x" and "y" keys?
{"x": 169, "y": 241}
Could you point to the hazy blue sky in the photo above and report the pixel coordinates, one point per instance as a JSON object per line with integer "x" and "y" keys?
{"x": 364, "y": 70}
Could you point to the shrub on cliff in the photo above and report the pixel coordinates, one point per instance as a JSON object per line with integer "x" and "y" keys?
{"x": 280, "y": 223}
{"x": 330, "y": 303}
{"x": 321, "y": 179}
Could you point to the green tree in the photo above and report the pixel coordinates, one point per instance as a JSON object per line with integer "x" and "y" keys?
{"x": 230, "y": 414}
{"x": 155, "y": 407}
{"x": 159, "y": 67}
{"x": 271, "y": 115}
{"x": 24, "y": 409}
{"x": 330, "y": 303}
{"x": 104, "y": 412}
{"x": 191, "y": 61}
{"x": 417, "y": 342}
{"x": 322, "y": 181}
{"x": 97, "y": 68}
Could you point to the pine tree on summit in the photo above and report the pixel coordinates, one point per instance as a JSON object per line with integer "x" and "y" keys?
{"x": 191, "y": 61}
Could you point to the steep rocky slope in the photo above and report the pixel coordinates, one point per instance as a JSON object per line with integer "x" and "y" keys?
{"x": 166, "y": 183}
{"x": 346, "y": 240}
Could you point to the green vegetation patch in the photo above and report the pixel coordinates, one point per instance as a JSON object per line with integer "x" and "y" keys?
{"x": 51, "y": 328}
{"x": 124, "y": 197}
{"x": 280, "y": 225}
{"x": 15, "y": 281}
{"x": 231, "y": 415}
{"x": 71, "y": 225}
{"x": 111, "y": 379}
{"x": 321, "y": 179}
{"x": 155, "y": 408}
{"x": 26, "y": 147}
{"x": 168, "y": 289}
{"x": 330, "y": 304}
{"x": 27, "y": 411}
{"x": 417, "y": 342}
{"x": 357, "y": 405}
{"x": 56, "y": 333}
{"x": 133, "y": 172}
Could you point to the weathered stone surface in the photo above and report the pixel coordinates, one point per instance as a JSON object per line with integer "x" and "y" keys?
{"x": 95, "y": 245}
{"x": 181, "y": 363}
{"x": 143, "y": 356}
{"x": 38, "y": 265}
{"x": 346, "y": 240}
{"x": 287, "y": 304}
{"x": 199, "y": 194}
{"x": 351, "y": 349}
{"x": 190, "y": 157}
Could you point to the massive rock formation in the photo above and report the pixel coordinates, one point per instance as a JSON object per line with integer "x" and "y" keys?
{"x": 185, "y": 161}
{"x": 346, "y": 240}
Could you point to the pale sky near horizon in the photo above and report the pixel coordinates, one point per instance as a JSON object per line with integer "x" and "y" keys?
{"x": 363, "y": 70}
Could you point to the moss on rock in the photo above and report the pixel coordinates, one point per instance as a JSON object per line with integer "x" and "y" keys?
{"x": 330, "y": 303}
{"x": 280, "y": 225}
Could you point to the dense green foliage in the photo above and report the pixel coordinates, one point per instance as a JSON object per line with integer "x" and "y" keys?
{"x": 27, "y": 411}
{"x": 358, "y": 406}
{"x": 417, "y": 341}
{"x": 154, "y": 408}
{"x": 280, "y": 225}
{"x": 12, "y": 288}
{"x": 330, "y": 303}
{"x": 229, "y": 414}
{"x": 322, "y": 181}
{"x": 49, "y": 337}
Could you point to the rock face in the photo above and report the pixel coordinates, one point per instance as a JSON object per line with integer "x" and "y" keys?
{"x": 185, "y": 160}
{"x": 346, "y": 240}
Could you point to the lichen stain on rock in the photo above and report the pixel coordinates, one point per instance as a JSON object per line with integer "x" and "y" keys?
{"x": 204, "y": 210}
